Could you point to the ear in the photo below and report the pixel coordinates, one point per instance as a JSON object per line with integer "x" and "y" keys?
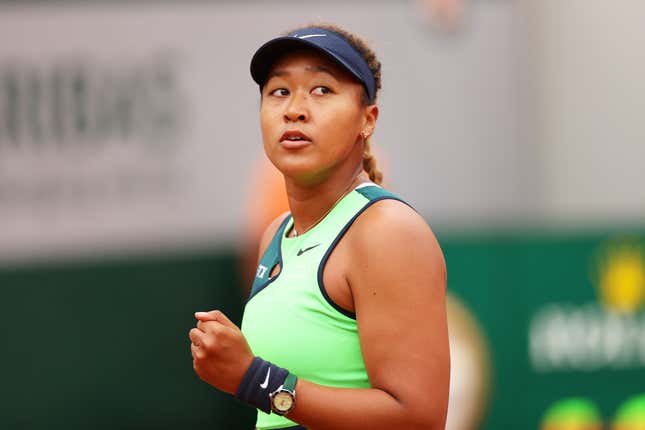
{"x": 369, "y": 122}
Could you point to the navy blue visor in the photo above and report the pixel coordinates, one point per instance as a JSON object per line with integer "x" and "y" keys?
{"x": 327, "y": 42}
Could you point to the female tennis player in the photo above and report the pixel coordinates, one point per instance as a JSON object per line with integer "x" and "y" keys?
{"x": 345, "y": 327}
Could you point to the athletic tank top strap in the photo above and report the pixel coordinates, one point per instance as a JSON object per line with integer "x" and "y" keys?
{"x": 374, "y": 193}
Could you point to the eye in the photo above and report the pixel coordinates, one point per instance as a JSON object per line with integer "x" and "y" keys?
{"x": 279, "y": 92}
{"x": 321, "y": 90}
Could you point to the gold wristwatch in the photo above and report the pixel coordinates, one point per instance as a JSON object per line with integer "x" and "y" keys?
{"x": 283, "y": 400}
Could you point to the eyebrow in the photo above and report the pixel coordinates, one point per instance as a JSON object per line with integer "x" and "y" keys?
{"x": 281, "y": 72}
{"x": 323, "y": 70}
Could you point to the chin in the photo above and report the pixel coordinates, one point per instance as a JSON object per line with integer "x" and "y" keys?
{"x": 301, "y": 171}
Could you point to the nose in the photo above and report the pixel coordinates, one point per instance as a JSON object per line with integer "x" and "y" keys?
{"x": 296, "y": 109}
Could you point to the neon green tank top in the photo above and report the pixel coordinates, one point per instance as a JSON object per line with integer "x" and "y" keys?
{"x": 290, "y": 320}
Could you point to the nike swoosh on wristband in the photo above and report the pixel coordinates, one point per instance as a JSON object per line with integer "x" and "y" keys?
{"x": 266, "y": 380}
{"x": 302, "y": 251}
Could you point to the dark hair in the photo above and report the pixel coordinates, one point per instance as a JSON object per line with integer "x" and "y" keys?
{"x": 369, "y": 162}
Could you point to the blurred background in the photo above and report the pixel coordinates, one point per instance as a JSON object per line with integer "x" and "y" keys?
{"x": 132, "y": 188}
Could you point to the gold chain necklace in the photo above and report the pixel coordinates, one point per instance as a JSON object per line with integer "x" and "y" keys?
{"x": 295, "y": 232}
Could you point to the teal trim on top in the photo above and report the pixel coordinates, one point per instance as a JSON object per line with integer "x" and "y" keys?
{"x": 375, "y": 193}
{"x": 271, "y": 257}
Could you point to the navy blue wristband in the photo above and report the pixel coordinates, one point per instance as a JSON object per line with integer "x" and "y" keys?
{"x": 261, "y": 379}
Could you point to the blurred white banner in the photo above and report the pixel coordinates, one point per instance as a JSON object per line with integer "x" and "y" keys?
{"x": 110, "y": 125}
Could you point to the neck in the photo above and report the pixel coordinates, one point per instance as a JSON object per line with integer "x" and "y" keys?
{"x": 310, "y": 203}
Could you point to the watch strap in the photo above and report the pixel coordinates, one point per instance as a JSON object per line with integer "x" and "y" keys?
{"x": 290, "y": 383}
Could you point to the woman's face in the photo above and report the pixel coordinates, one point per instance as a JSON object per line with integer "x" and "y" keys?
{"x": 312, "y": 116}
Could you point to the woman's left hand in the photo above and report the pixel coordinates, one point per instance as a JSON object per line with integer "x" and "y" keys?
{"x": 220, "y": 352}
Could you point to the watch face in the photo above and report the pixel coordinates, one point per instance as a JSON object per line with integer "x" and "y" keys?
{"x": 283, "y": 401}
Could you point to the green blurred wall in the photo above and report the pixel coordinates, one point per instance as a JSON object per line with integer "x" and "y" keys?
{"x": 505, "y": 280}
{"x": 106, "y": 346}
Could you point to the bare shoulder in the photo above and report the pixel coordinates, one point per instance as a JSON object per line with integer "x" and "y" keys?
{"x": 390, "y": 230}
{"x": 393, "y": 216}
{"x": 270, "y": 232}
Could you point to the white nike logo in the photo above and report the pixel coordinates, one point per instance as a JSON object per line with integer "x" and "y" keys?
{"x": 311, "y": 35}
{"x": 266, "y": 380}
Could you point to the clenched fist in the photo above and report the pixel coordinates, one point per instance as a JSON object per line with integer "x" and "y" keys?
{"x": 220, "y": 352}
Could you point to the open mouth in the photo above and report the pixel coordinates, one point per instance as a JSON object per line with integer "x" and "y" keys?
{"x": 294, "y": 136}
